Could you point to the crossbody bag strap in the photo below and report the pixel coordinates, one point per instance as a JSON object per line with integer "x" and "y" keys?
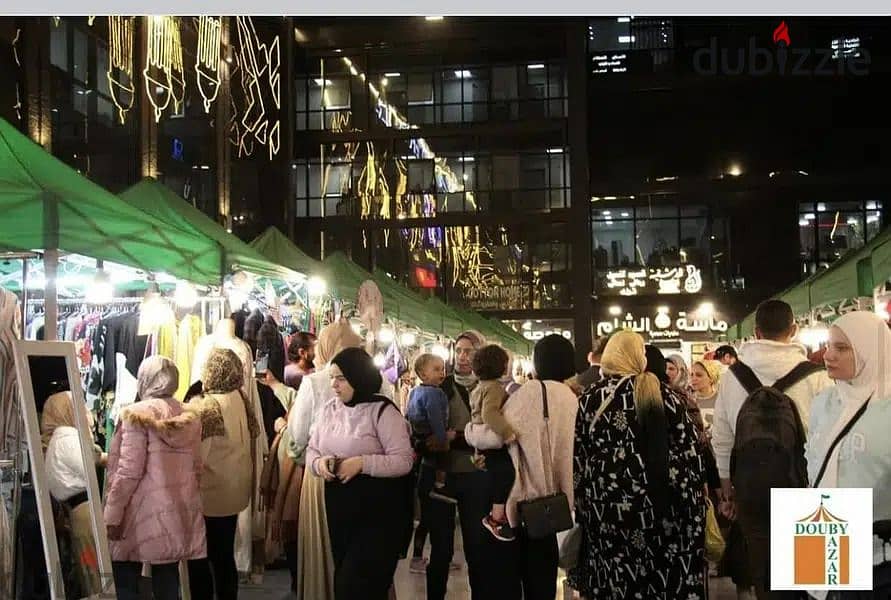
{"x": 547, "y": 458}
{"x": 841, "y": 435}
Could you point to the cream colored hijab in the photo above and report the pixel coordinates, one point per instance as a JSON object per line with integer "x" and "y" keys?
{"x": 57, "y": 412}
{"x": 871, "y": 340}
{"x": 624, "y": 355}
{"x": 157, "y": 377}
{"x": 332, "y": 339}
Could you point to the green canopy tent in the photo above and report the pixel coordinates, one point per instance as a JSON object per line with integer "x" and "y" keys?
{"x": 856, "y": 274}
{"x": 275, "y": 246}
{"x": 156, "y": 199}
{"x": 47, "y": 205}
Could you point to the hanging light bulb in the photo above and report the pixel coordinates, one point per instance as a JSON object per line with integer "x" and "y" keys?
{"x": 101, "y": 290}
{"x": 185, "y": 296}
{"x": 386, "y": 335}
{"x": 316, "y": 287}
{"x": 379, "y": 360}
{"x": 408, "y": 338}
{"x": 440, "y": 351}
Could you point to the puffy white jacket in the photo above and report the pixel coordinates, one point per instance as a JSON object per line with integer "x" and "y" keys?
{"x": 769, "y": 360}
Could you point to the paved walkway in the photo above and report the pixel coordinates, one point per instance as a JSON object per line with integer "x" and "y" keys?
{"x": 412, "y": 587}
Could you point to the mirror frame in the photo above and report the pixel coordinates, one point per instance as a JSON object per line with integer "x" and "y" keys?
{"x": 65, "y": 350}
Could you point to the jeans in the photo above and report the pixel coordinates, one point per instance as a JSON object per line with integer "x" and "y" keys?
{"x": 487, "y": 558}
{"x": 127, "y": 575}
{"x": 217, "y": 573}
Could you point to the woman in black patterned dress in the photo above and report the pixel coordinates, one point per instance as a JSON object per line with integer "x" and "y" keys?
{"x": 638, "y": 485}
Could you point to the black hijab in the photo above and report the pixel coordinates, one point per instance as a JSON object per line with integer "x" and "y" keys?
{"x": 554, "y": 358}
{"x": 359, "y": 370}
{"x": 656, "y": 362}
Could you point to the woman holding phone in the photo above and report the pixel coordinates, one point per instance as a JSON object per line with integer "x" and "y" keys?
{"x": 361, "y": 447}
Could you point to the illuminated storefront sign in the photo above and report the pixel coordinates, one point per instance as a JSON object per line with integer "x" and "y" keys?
{"x": 663, "y": 327}
{"x": 686, "y": 279}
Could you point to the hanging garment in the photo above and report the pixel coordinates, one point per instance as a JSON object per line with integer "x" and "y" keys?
{"x": 190, "y": 329}
{"x": 10, "y": 326}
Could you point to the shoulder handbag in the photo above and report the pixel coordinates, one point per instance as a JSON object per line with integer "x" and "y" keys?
{"x": 546, "y": 515}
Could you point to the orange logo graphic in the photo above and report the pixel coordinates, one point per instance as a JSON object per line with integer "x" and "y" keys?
{"x": 822, "y": 549}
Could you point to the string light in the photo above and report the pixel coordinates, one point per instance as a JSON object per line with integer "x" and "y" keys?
{"x": 90, "y": 20}
{"x": 163, "y": 73}
{"x": 120, "y": 64}
{"x": 207, "y": 59}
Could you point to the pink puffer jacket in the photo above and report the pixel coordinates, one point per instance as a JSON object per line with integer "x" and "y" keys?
{"x": 153, "y": 493}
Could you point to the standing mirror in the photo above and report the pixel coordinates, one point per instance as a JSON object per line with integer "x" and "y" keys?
{"x": 63, "y": 461}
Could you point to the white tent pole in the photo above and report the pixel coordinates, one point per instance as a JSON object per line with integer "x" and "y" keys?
{"x": 51, "y": 319}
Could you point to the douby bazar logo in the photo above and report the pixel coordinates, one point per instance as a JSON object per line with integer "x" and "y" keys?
{"x": 822, "y": 549}
{"x": 782, "y": 59}
{"x": 821, "y": 539}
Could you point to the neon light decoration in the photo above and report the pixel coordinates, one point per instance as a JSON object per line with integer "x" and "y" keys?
{"x": 260, "y": 67}
{"x": 163, "y": 73}
{"x": 120, "y": 63}
{"x": 207, "y": 59}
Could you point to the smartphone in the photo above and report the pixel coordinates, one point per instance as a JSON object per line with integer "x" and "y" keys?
{"x": 261, "y": 365}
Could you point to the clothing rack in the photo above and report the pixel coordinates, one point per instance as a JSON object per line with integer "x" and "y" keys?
{"x": 76, "y": 301}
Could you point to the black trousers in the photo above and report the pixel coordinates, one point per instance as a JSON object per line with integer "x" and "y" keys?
{"x": 501, "y": 471}
{"x": 217, "y": 574}
{"x": 127, "y": 575}
{"x": 487, "y": 559}
{"x": 536, "y": 564}
{"x": 291, "y": 557}
{"x": 363, "y": 516}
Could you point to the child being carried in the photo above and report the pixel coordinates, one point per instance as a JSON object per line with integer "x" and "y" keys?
{"x": 487, "y": 422}
{"x": 428, "y": 413}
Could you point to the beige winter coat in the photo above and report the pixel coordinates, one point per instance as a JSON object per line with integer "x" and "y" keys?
{"x": 525, "y": 413}
{"x": 228, "y": 429}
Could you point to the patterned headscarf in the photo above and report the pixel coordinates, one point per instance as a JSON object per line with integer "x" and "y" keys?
{"x": 157, "y": 377}
{"x": 223, "y": 372}
{"x": 680, "y": 364}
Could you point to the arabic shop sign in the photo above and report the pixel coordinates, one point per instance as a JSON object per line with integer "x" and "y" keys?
{"x": 686, "y": 279}
{"x": 663, "y": 327}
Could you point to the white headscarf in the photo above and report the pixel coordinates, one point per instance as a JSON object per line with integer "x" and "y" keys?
{"x": 871, "y": 340}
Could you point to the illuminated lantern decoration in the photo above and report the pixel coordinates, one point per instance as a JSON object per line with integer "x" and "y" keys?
{"x": 207, "y": 58}
{"x": 120, "y": 63}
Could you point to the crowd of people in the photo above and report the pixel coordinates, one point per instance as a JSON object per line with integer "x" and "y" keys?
{"x": 638, "y": 446}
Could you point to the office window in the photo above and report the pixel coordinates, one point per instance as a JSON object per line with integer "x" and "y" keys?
{"x": 827, "y": 230}
{"x": 653, "y": 240}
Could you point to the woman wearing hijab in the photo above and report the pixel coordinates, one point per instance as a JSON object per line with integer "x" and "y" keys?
{"x": 543, "y": 458}
{"x": 153, "y": 507}
{"x": 638, "y": 489}
{"x": 67, "y": 482}
{"x": 656, "y": 363}
{"x": 858, "y": 358}
{"x": 229, "y": 472}
{"x": 360, "y": 446}
{"x": 705, "y": 375}
{"x": 315, "y": 568}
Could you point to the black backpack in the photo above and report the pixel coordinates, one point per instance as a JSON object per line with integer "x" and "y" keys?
{"x": 768, "y": 447}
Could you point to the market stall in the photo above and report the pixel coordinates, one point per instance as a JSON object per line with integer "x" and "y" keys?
{"x": 855, "y": 282}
